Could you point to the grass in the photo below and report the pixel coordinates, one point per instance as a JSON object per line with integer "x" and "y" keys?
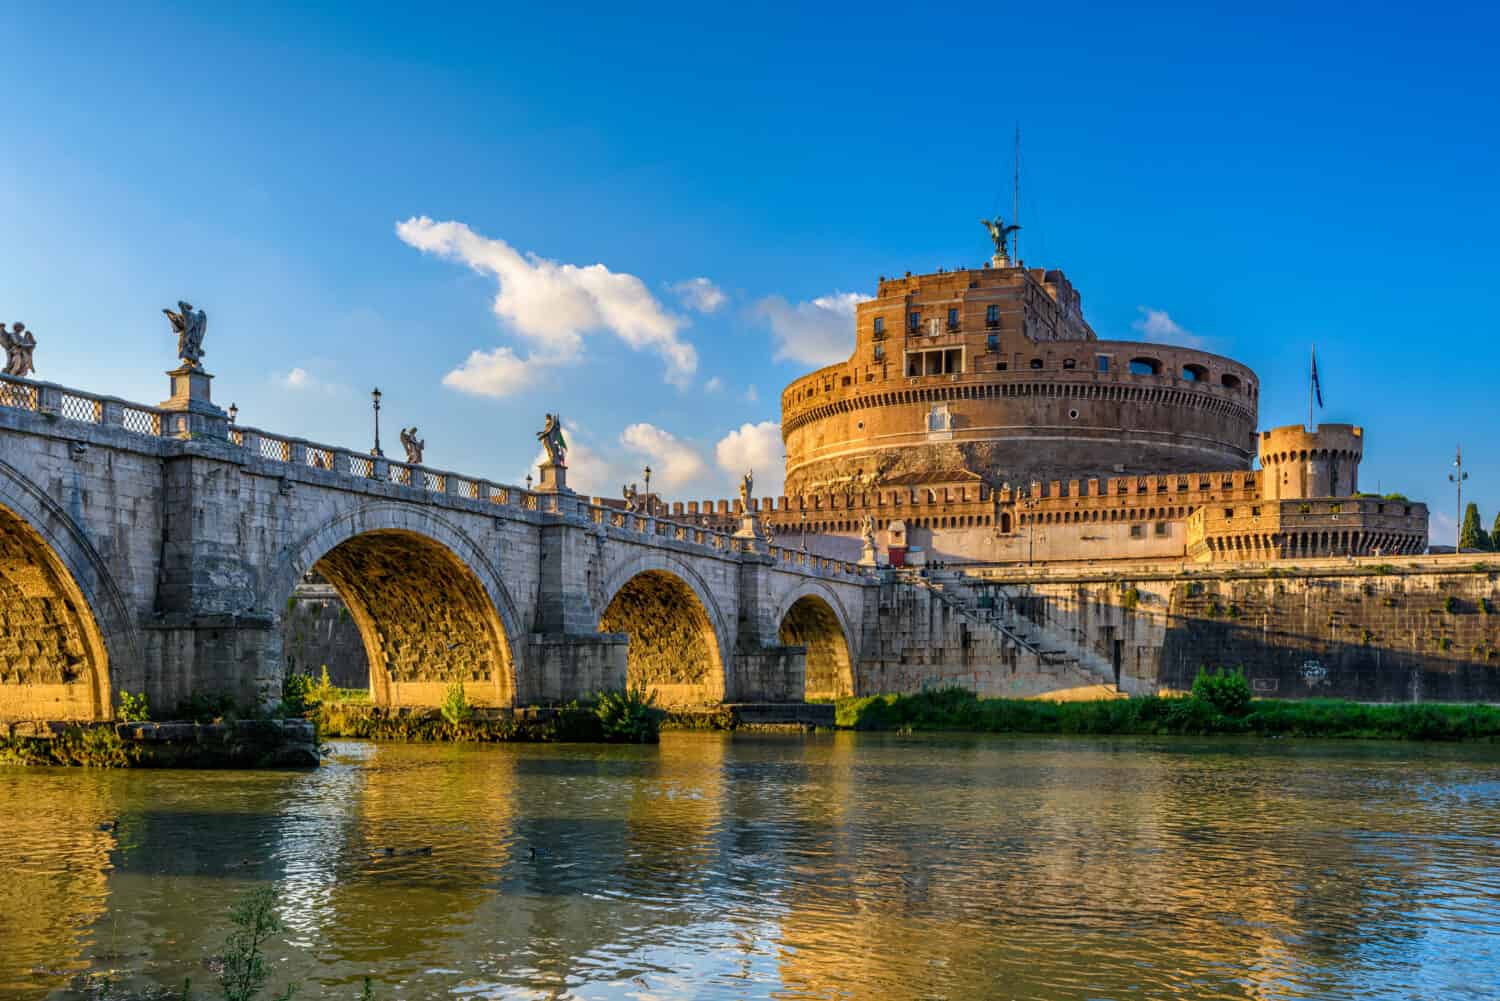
{"x": 958, "y": 709}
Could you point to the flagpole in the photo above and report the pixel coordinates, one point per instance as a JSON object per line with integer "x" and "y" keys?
{"x": 1312, "y": 377}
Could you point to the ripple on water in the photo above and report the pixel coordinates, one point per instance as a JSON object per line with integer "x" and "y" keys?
{"x": 856, "y": 866}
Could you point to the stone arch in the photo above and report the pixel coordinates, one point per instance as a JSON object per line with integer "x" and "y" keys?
{"x": 812, "y": 616}
{"x": 676, "y": 629}
{"x": 67, "y": 639}
{"x": 429, "y": 605}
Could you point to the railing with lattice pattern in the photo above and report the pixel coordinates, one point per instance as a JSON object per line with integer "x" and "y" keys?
{"x": 83, "y": 409}
{"x": 319, "y": 458}
{"x": 275, "y": 448}
{"x": 362, "y": 466}
{"x": 436, "y": 482}
{"x": 139, "y": 420}
{"x": 18, "y": 395}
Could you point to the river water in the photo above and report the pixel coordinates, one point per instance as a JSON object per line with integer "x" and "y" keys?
{"x": 865, "y": 866}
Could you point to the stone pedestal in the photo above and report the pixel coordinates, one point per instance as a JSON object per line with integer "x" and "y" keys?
{"x": 750, "y": 534}
{"x": 868, "y": 556}
{"x": 554, "y": 479}
{"x": 191, "y": 407}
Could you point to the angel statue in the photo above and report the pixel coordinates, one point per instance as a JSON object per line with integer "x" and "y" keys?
{"x": 413, "y": 445}
{"x": 1000, "y": 233}
{"x": 747, "y": 484}
{"x": 551, "y": 437}
{"x": 18, "y": 343}
{"x": 190, "y": 327}
{"x": 632, "y": 498}
{"x": 867, "y": 531}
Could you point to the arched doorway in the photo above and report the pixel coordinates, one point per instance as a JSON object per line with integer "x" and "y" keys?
{"x": 53, "y": 662}
{"x": 428, "y": 606}
{"x": 673, "y": 650}
{"x": 812, "y": 623}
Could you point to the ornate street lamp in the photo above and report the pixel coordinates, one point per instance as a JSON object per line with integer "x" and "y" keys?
{"x": 375, "y": 400}
{"x": 649, "y": 506}
{"x": 528, "y": 483}
{"x": 234, "y": 411}
{"x": 1457, "y": 478}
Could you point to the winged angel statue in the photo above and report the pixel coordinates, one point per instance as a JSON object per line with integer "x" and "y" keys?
{"x": 189, "y": 327}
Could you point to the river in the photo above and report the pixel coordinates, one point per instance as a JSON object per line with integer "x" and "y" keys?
{"x": 869, "y": 866}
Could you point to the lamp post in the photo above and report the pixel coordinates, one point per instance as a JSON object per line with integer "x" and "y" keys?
{"x": 650, "y": 507}
{"x": 375, "y": 401}
{"x": 1029, "y": 504}
{"x": 528, "y": 483}
{"x": 1457, "y": 478}
{"x": 234, "y": 411}
{"x": 804, "y": 530}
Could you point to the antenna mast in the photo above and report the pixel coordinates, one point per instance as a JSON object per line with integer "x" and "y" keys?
{"x": 1015, "y": 205}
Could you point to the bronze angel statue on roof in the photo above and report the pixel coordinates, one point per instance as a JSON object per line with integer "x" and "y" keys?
{"x": 190, "y": 327}
{"x": 999, "y": 233}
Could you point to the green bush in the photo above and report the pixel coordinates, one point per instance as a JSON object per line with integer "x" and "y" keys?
{"x": 133, "y": 708}
{"x": 1450, "y": 604}
{"x": 456, "y": 709}
{"x": 244, "y": 974}
{"x": 630, "y": 716}
{"x": 1227, "y": 691}
{"x": 296, "y": 695}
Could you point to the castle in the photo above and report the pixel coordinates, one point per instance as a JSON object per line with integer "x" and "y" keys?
{"x": 980, "y": 419}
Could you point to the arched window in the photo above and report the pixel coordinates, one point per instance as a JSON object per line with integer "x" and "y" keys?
{"x": 1229, "y": 381}
{"x": 1194, "y": 373}
{"x": 1145, "y": 366}
{"x": 1036, "y": 363}
{"x": 1070, "y": 363}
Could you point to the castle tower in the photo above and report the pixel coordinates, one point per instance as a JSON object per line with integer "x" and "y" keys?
{"x": 1299, "y": 463}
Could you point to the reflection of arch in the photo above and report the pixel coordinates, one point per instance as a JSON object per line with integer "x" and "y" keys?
{"x": 676, "y": 629}
{"x": 67, "y": 633}
{"x": 430, "y": 606}
{"x": 815, "y": 618}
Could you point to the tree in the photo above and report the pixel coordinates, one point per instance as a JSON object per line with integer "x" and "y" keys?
{"x": 1495, "y": 532}
{"x": 1471, "y": 536}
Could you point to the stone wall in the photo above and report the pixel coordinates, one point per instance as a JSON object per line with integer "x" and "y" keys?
{"x": 319, "y": 632}
{"x": 1405, "y": 630}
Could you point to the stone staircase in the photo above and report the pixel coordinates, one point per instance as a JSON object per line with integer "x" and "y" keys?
{"x": 990, "y": 607}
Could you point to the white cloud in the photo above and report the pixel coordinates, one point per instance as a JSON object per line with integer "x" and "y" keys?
{"x": 301, "y": 380}
{"x": 757, "y": 448}
{"x": 819, "y": 332}
{"x": 1158, "y": 327}
{"x": 490, "y": 373}
{"x": 713, "y": 385}
{"x": 554, "y": 305}
{"x": 674, "y": 462}
{"x": 699, "y": 294}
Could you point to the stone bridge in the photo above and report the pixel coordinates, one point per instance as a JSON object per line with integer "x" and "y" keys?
{"x": 155, "y": 549}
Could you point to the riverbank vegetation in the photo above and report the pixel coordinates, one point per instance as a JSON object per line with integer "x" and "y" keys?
{"x": 1220, "y": 704}
{"x": 629, "y": 717}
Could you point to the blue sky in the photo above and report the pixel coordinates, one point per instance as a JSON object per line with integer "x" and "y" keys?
{"x": 1267, "y": 180}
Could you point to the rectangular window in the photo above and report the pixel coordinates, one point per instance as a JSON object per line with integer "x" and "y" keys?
{"x": 879, "y": 326}
{"x": 992, "y": 342}
{"x": 1161, "y": 528}
{"x": 992, "y": 315}
{"x": 1229, "y": 512}
{"x": 1137, "y": 531}
{"x": 952, "y": 319}
{"x": 1001, "y": 366}
{"x": 915, "y": 320}
{"x": 879, "y": 352}
{"x": 1104, "y": 363}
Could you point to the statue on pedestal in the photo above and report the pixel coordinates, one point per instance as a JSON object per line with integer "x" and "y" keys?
{"x": 747, "y": 484}
{"x": 999, "y": 233}
{"x": 867, "y": 531}
{"x": 413, "y": 445}
{"x": 190, "y": 327}
{"x": 18, "y": 343}
{"x": 632, "y": 498}
{"x": 552, "y": 440}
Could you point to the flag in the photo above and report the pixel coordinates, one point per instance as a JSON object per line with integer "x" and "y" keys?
{"x": 1316, "y": 385}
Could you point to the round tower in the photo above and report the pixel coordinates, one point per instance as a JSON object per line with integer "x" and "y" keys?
{"x": 1298, "y": 463}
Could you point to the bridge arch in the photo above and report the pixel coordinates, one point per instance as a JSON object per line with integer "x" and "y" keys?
{"x": 812, "y": 616}
{"x": 67, "y": 638}
{"x": 430, "y": 607}
{"x": 677, "y": 631}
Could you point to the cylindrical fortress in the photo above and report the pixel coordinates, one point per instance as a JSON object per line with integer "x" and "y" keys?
{"x": 994, "y": 371}
{"x": 1300, "y": 463}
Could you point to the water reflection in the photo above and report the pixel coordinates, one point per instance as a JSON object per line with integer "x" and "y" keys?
{"x": 846, "y": 866}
